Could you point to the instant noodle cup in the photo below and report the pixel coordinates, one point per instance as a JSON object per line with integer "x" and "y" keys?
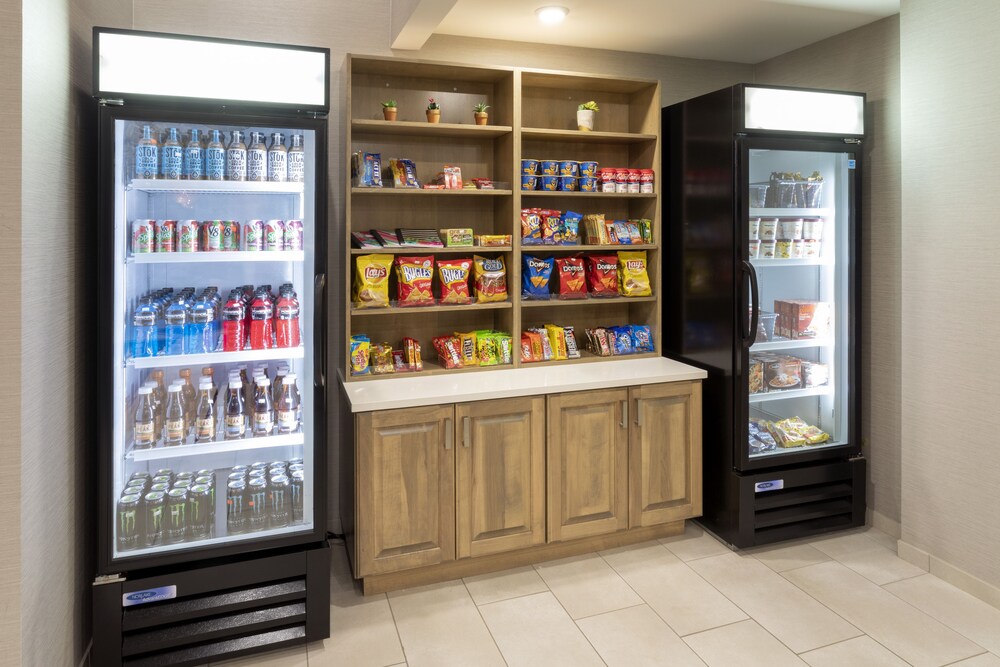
{"x": 568, "y": 183}
{"x": 550, "y": 183}
{"x": 572, "y": 281}
{"x": 535, "y": 278}
{"x": 549, "y": 167}
{"x": 414, "y": 276}
{"x": 588, "y": 184}
{"x": 529, "y": 166}
{"x": 602, "y": 275}
{"x": 490, "y": 278}
{"x": 633, "y": 278}
{"x": 528, "y": 182}
{"x": 371, "y": 281}
{"x": 454, "y": 277}
{"x": 569, "y": 168}
{"x": 588, "y": 168}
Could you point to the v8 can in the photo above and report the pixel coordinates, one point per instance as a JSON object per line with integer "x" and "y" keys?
{"x": 211, "y": 235}
{"x": 274, "y": 235}
{"x": 230, "y": 235}
{"x": 143, "y": 236}
{"x": 293, "y": 235}
{"x": 253, "y": 235}
{"x": 166, "y": 235}
{"x": 187, "y": 235}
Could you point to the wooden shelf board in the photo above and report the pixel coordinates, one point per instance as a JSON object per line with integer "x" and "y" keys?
{"x": 587, "y": 357}
{"x": 417, "y": 250}
{"x": 583, "y": 195}
{"x": 413, "y": 310}
{"x": 431, "y": 367}
{"x": 577, "y": 136}
{"x": 432, "y": 193}
{"x": 417, "y": 129}
{"x": 585, "y": 302}
{"x": 542, "y": 249}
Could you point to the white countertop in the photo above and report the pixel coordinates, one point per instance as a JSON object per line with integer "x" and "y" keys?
{"x": 411, "y": 392}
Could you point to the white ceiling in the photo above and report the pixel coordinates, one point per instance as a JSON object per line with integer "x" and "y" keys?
{"x": 746, "y": 31}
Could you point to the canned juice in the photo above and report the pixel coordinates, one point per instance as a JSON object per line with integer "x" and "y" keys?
{"x": 253, "y": 235}
{"x": 187, "y": 236}
{"x": 143, "y": 236}
{"x": 230, "y": 235}
{"x": 293, "y": 235}
{"x": 274, "y": 235}
{"x": 211, "y": 235}
{"x": 166, "y": 235}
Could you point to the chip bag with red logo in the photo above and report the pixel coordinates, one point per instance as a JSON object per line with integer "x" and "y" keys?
{"x": 572, "y": 284}
{"x": 633, "y": 280}
{"x": 454, "y": 275}
{"x": 602, "y": 275}
{"x": 414, "y": 276}
{"x": 371, "y": 281}
{"x": 491, "y": 279}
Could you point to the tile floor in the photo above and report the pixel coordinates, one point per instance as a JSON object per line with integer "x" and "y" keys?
{"x": 840, "y": 600}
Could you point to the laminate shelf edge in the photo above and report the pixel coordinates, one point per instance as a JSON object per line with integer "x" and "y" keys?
{"x": 420, "y": 128}
{"x": 585, "y": 137}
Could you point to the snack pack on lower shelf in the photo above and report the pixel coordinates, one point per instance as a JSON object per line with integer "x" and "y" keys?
{"x": 554, "y": 342}
{"x": 766, "y": 436}
{"x": 457, "y": 350}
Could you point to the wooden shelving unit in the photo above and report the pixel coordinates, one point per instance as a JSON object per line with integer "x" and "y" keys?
{"x": 532, "y": 115}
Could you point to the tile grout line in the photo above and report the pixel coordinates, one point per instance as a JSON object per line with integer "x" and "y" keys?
{"x": 961, "y": 660}
{"x": 611, "y": 611}
{"x": 395, "y": 626}
{"x": 483, "y": 619}
{"x": 570, "y": 616}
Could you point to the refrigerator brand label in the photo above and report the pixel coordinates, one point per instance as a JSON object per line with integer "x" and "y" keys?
{"x": 772, "y": 485}
{"x": 149, "y": 595}
{"x": 850, "y": 164}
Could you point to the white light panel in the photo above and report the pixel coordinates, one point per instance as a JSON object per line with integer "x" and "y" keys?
{"x": 178, "y": 67}
{"x": 803, "y": 111}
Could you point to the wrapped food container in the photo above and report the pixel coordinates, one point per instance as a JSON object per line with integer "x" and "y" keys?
{"x": 549, "y": 167}
{"x": 767, "y": 249}
{"x": 754, "y": 229}
{"x": 758, "y": 195}
{"x": 790, "y": 229}
{"x": 588, "y": 184}
{"x": 768, "y": 229}
{"x": 550, "y": 183}
{"x": 568, "y": 183}
{"x": 588, "y": 168}
{"x": 765, "y": 326}
{"x": 754, "y": 249}
{"x": 569, "y": 168}
{"x": 528, "y": 182}
{"x": 529, "y": 166}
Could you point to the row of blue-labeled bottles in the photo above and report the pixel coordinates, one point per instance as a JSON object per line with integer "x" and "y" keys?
{"x": 203, "y": 156}
{"x": 168, "y": 323}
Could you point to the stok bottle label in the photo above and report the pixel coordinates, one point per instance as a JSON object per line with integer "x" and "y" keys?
{"x": 277, "y": 166}
{"x": 215, "y": 164}
{"x": 296, "y": 166}
{"x": 194, "y": 166}
{"x": 173, "y": 161}
{"x": 145, "y": 160}
{"x": 236, "y": 163}
{"x": 256, "y": 164}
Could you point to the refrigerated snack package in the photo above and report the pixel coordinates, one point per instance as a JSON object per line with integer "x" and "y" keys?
{"x": 756, "y": 375}
{"x": 798, "y": 318}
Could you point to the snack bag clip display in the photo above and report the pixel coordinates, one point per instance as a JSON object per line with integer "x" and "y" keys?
{"x": 491, "y": 279}
{"x": 633, "y": 279}
{"x": 371, "y": 281}
{"x": 414, "y": 276}
{"x": 535, "y": 278}
{"x": 454, "y": 276}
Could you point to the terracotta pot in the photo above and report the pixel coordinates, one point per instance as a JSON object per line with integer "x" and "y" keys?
{"x": 433, "y": 115}
{"x": 389, "y": 113}
{"x": 585, "y": 120}
{"x": 482, "y": 118}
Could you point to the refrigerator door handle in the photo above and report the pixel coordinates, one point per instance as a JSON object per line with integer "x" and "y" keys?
{"x": 319, "y": 329}
{"x": 750, "y": 333}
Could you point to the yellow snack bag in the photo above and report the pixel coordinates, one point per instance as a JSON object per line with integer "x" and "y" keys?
{"x": 490, "y": 276}
{"x": 557, "y": 339}
{"x": 633, "y": 279}
{"x": 467, "y": 343}
{"x": 371, "y": 281}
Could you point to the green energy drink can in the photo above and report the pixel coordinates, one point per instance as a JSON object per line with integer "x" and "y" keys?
{"x": 198, "y": 510}
{"x": 257, "y": 504}
{"x": 127, "y": 521}
{"x": 175, "y": 528}
{"x": 153, "y": 507}
{"x": 236, "y": 508}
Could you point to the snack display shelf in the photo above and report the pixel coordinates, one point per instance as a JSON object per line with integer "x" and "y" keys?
{"x": 431, "y": 367}
{"x": 792, "y": 450}
{"x": 425, "y": 129}
{"x": 791, "y": 212}
{"x": 583, "y": 195}
{"x": 589, "y": 357}
{"x": 583, "y": 302}
{"x": 779, "y": 394}
{"x": 416, "y": 250}
{"x": 216, "y": 447}
{"x": 170, "y": 361}
{"x": 542, "y": 249}
{"x": 458, "y": 307}
{"x": 216, "y": 187}
{"x": 791, "y": 262}
{"x": 789, "y": 344}
{"x": 577, "y": 136}
{"x": 215, "y": 257}
{"x": 464, "y": 192}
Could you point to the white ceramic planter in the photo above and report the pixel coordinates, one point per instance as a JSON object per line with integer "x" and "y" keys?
{"x": 585, "y": 120}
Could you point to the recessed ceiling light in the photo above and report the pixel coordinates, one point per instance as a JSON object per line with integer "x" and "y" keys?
{"x": 551, "y": 14}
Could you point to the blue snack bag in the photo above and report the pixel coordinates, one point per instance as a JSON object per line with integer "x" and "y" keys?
{"x": 536, "y": 277}
{"x": 623, "y": 340}
{"x": 571, "y": 228}
{"x": 642, "y": 340}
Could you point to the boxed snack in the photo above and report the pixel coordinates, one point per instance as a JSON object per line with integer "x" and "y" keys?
{"x": 404, "y": 173}
{"x": 364, "y": 240}
{"x": 371, "y": 281}
{"x": 387, "y": 238}
{"x": 366, "y": 170}
{"x": 457, "y": 237}
{"x": 814, "y": 374}
{"x": 756, "y": 375}
{"x": 420, "y": 238}
{"x": 414, "y": 276}
{"x": 493, "y": 240}
{"x": 783, "y": 373}
{"x": 799, "y": 319}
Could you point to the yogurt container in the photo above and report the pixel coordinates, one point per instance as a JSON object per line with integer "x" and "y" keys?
{"x": 767, "y": 249}
{"x": 783, "y": 249}
{"x": 529, "y": 166}
{"x": 754, "y": 229}
{"x": 812, "y": 228}
{"x": 798, "y": 249}
{"x": 811, "y": 248}
{"x": 768, "y": 229}
{"x": 568, "y": 183}
{"x": 754, "y": 249}
{"x": 790, "y": 228}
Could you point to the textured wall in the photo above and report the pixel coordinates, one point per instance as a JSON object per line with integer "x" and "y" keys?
{"x": 363, "y": 28}
{"x": 867, "y": 60}
{"x": 950, "y": 302}
{"x": 57, "y": 546}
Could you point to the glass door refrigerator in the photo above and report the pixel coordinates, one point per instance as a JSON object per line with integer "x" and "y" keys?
{"x": 763, "y": 293}
{"x": 212, "y": 262}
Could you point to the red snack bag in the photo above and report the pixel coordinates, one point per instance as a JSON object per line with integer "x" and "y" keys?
{"x": 414, "y": 276}
{"x": 449, "y": 351}
{"x": 602, "y": 275}
{"x": 572, "y": 283}
{"x": 454, "y": 275}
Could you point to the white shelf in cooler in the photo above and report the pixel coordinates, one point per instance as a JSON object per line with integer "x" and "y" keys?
{"x": 790, "y": 393}
{"x": 789, "y": 344}
{"x": 792, "y": 212}
{"x": 218, "y": 357}
{"x": 762, "y": 262}
{"x": 216, "y": 187}
{"x": 798, "y": 450}
{"x": 217, "y": 447}
{"x": 215, "y": 257}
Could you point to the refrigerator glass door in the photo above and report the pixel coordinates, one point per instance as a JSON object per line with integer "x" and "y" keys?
{"x": 200, "y": 265}
{"x": 799, "y": 245}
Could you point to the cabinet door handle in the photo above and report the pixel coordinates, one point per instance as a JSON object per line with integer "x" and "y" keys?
{"x": 449, "y": 433}
{"x": 466, "y": 432}
{"x": 624, "y": 422}
{"x": 638, "y": 412}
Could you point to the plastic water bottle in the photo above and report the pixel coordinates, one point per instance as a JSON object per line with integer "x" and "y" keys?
{"x": 176, "y": 317}
{"x": 199, "y": 339}
{"x": 144, "y": 333}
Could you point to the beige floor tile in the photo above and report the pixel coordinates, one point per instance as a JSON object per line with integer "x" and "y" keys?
{"x": 842, "y": 544}
{"x": 536, "y": 630}
{"x": 863, "y": 553}
{"x": 363, "y": 629}
{"x": 586, "y": 585}
{"x": 745, "y": 644}
{"x": 673, "y": 590}
{"x": 289, "y": 657}
{"x": 496, "y": 586}
{"x": 781, "y": 558}
{"x": 441, "y": 625}
{"x": 904, "y": 630}
{"x": 635, "y": 637}
{"x": 982, "y": 660}
{"x": 960, "y": 611}
{"x": 796, "y": 619}
{"x": 881, "y": 538}
{"x": 861, "y": 651}
{"x": 694, "y": 543}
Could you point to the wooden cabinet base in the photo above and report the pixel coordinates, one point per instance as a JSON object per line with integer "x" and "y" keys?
{"x": 380, "y": 583}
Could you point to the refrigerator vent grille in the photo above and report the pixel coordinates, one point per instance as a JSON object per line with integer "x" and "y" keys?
{"x": 796, "y": 511}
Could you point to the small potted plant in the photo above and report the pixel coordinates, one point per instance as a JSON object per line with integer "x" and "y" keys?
{"x": 389, "y": 109}
{"x": 479, "y": 111}
{"x": 585, "y": 115}
{"x": 433, "y": 111}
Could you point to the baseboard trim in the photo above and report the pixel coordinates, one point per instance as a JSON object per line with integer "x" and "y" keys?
{"x": 884, "y": 523}
{"x": 955, "y": 576}
{"x": 85, "y": 660}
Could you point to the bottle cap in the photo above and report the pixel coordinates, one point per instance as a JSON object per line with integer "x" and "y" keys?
{"x": 145, "y": 390}
{"x": 174, "y": 388}
{"x": 263, "y": 382}
{"x": 291, "y": 378}
{"x": 235, "y": 384}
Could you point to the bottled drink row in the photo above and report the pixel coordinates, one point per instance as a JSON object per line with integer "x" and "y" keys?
{"x": 165, "y": 322}
{"x": 166, "y": 508}
{"x": 203, "y": 156}
{"x": 150, "y": 236}
{"x": 174, "y": 415}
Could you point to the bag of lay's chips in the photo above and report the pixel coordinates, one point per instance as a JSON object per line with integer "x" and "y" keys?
{"x": 490, "y": 278}
{"x": 414, "y": 276}
{"x": 535, "y": 278}
{"x": 531, "y": 227}
{"x": 371, "y": 281}
{"x": 454, "y": 276}
{"x": 602, "y": 275}
{"x": 633, "y": 280}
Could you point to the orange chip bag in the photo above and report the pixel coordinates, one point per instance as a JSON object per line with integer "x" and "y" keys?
{"x": 572, "y": 284}
{"x": 414, "y": 275}
{"x": 454, "y": 275}
{"x": 633, "y": 280}
{"x": 371, "y": 281}
{"x": 602, "y": 274}
{"x": 491, "y": 279}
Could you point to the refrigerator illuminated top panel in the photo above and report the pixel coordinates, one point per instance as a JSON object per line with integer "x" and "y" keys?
{"x": 813, "y": 112}
{"x": 133, "y": 65}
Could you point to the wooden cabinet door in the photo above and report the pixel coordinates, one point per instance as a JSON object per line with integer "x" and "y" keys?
{"x": 405, "y": 489}
{"x": 500, "y": 475}
{"x": 665, "y": 453}
{"x": 587, "y": 468}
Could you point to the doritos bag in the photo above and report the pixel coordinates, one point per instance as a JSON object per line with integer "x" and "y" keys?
{"x": 602, "y": 275}
{"x": 572, "y": 284}
{"x": 535, "y": 278}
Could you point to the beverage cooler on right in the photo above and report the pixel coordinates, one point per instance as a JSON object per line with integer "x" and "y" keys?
{"x": 762, "y": 274}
